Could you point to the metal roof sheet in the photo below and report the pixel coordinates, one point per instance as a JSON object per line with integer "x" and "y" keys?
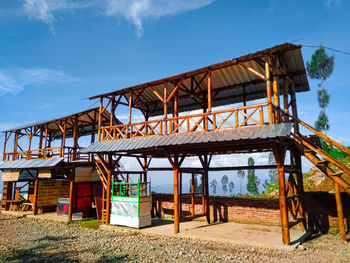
{"x": 84, "y": 121}
{"x": 228, "y": 79}
{"x": 144, "y": 143}
{"x": 26, "y": 164}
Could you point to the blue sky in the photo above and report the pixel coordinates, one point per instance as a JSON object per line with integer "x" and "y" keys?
{"x": 54, "y": 54}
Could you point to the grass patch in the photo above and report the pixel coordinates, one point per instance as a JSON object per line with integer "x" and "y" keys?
{"x": 93, "y": 223}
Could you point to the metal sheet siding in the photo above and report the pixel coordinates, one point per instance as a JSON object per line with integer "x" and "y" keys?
{"x": 266, "y": 131}
{"x": 25, "y": 164}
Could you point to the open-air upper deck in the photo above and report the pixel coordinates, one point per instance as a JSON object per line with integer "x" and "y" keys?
{"x": 57, "y": 138}
{"x": 250, "y": 90}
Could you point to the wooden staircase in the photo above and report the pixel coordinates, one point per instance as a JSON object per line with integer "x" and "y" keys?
{"x": 102, "y": 171}
{"x": 311, "y": 148}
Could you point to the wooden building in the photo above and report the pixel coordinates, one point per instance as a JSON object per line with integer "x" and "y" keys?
{"x": 45, "y": 159}
{"x": 243, "y": 105}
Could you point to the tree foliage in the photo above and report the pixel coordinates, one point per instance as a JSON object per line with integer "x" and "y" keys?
{"x": 272, "y": 172}
{"x": 224, "y": 182}
{"x": 253, "y": 181}
{"x": 231, "y": 186}
{"x": 213, "y": 185}
{"x": 241, "y": 175}
{"x": 321, "y": 67}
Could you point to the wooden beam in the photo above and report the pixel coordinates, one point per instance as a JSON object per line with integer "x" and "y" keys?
{"x": 256, "y": 73}
{"x": 340, "y": 212}
{"x": 71, "y": 190}
{"x": 209, "y": 92}
{"x": 268, "y": 91}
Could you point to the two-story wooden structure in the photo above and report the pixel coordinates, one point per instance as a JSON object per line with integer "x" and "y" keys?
{"x": 44, "y": 158}
{"x": 243, "y": 105}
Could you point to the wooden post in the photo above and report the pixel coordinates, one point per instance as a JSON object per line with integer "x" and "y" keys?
{"x": 192, "y": 196}
{"x": 285, "y": 99}
{"x": 130, "y": 106}
{"x": 165, "y": 109}
{"x": 5, "y": 142}
{"x": 36, "y": 186}
{"x": 275, "y": 88}
{"x": 45, "y": 143}
{"x": 108, "y": 196}
{"x": 279, "y": 154}
{"x": 63, "y": 144}
{"x": 244, "y": 103}
{"x": 41, "y": 140}
{"x": 294, "y": 109}
{"x": 209, "y": 91}
{"x": 75, "y": 138}
{"x": 340, "y": 212}
{"x": 268, "y": 91}
{"x": 93, "y": 128}
{"x": 29, "y": 143}
{"x": 100, "y": 119}
{"x": 176, "y": 196}
{"x": 15, "y": 146}
{"x": 71, "y": 189}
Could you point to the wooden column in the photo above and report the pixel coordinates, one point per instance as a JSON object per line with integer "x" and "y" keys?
{"x": 165, "y": 108}
{"x": 209, "y": 91}
{"x": 244, "y": 103}
{"x": 5, "y": 142}
{"x": 36, "y": 186}
{"x": 279, "y": 153}
{"x": 93, "y": 128}
{"x": 268, "y": 91}
{"x": 15, "y": 145}
{"x": 176, "y": 196}
{"x": 108, "y": 195}
{"x": 285, "y": 99}
{"x": 63, "y": 144}
{"x": 45, "y": 143}
{"x": 192, "y": 196}
{"x": 294, "y": 109}
{"x": 340, "y": 212}
{"x": 100, "y": 119}
{"x": 41, "y": 140}
{"x": 75, "y": 138}
{"x": 130, "y": 107}
{"x": 71, "y": 190}
{"x": 275, "y": 89}
{"x": 29, "y": 143}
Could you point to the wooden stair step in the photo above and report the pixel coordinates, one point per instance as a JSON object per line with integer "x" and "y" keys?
{"x": 323, "y": 162}
{"x": 338, "y": 173}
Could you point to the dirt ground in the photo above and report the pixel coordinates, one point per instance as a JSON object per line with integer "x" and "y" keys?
{"x": 32, "y": 240}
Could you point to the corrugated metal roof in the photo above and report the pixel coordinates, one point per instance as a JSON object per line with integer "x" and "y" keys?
{"x": 26, "y": 164}
{"x": 84, "y": 121}
{"x": 144, "y": 143}
{"x": 228, "y": 79}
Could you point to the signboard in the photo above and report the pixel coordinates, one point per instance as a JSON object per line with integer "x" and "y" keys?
{"x": 86, "y": 174}
{"x": 10, "y": 175}
{"x": 50, "y": 191}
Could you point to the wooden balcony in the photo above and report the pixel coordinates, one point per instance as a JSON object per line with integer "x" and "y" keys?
{"x": 69, "y": 153}
{"x": 203, "y": 122}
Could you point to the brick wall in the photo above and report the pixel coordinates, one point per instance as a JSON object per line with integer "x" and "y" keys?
{"x": 320, "y": 207}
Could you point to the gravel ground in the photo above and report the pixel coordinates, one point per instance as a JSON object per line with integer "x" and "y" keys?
{"x": 34, "y": 240}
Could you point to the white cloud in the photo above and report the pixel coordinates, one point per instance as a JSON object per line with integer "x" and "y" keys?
{"x": 43, "y": 10}
{"x": 14, "y": 80}
{"x": 134, "y": 11}
{"x": 138, "y": 10}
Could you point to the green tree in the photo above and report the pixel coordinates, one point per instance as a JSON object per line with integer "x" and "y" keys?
{"x": 224, "y": 182}
{"x": 231, "y": 186}
{"x": 272, "y": 172}
{"x": 253, "y": 181}
{"x": 197, "y": 186}
{"x": 241, "y": 175}
{"x": 213, "y": 185}
{"x": 321, "y": 67}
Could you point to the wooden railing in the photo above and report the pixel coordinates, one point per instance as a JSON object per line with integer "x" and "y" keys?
{"x": 217, "y": 120}
{"x": 69, "y": 153}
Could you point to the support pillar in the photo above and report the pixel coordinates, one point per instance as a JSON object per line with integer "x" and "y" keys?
{"x": 176, "y": 197}
{"x": 36, "y": 186}
{"x": 108, "y": 195}
{"x": 340, "y": 212}
{"x": 300, "y": 188}
{"x": 279, "y": 153}
{"x": 71, "y": 189}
